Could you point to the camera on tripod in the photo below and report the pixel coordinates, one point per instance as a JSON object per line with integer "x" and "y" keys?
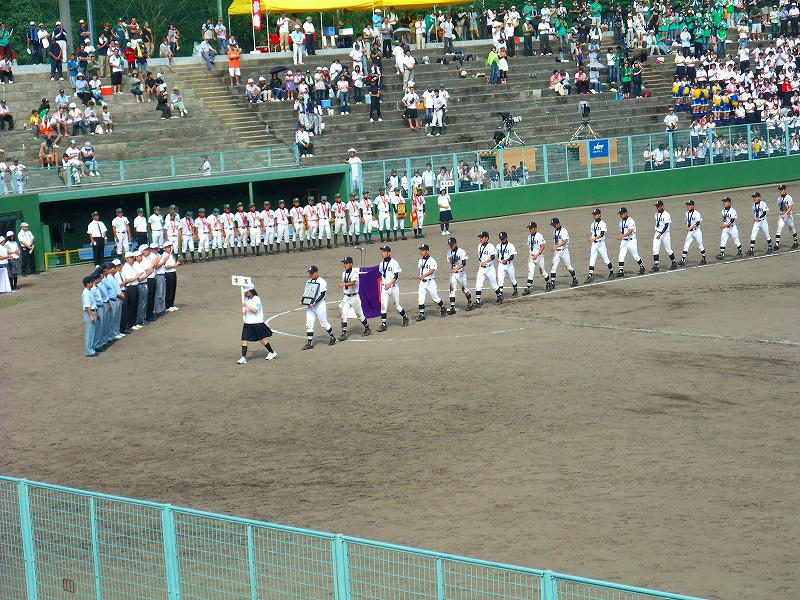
{"x": 509, "y": 120}
{"x": 583, "y": 110}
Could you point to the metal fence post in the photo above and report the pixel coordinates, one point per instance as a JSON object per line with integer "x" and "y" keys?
{"x": 545, "y": 168}
{"x": 98, "y": 584}
{"x": 269, "y": 158}
{"x": 588, "y": 159}
{"x": 549, "y": 589}
{"x": 221, "y": 162}
{"x": 630, "y": 155}
{"x": 170, "y": 553}
{"x": 439, "y": 578}
{"x": 121, "y": 171}
{"x": 172, "y": 165}
{"x": 500, "y": 164}
{"x": 251, "y": 561}
{"x": 340, "y": 574}
{"x": 786, "y": 139}
{"x": 28, "y": 549}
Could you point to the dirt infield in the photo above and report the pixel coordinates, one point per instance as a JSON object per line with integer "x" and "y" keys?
{"x": 643, "y": 430}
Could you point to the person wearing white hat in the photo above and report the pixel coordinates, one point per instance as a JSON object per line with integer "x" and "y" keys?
{"x": 26, "y": 241}
{"x": 170, "y": 277}
{"x": 355, "y": 169}
{"x": 128, "y": 283}
{"x": 6, "y": 257}
{"x": 254, "y": 328}
{"x": 12, "y": 247}
{"x": 298, "y": 38}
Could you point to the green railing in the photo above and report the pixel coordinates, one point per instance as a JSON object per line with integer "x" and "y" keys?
{"x": 183, "y": 166}
{"x": 58, "y": 542}
{"x": 567, "y": 161}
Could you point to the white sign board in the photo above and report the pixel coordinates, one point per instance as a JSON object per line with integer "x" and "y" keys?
{"x": 241, "y": 280}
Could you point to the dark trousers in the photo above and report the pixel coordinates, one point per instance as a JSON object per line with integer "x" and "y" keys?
{"x": 172, "y": 286}
{"x": 310, "y": 44}
{"x": 36, "y": 53}
{"x": 141, "y": 238}
{"x": 131, "y": 302}
{"x": 56, "y": 67}
{"x": 151, "y": 298}
{"x": 28, "y": 262}
{"x": 98, "y": 250}
{"x": 374, "y": 107}
{"x": 6, "y": 120}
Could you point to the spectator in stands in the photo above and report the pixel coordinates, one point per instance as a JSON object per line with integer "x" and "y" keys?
{"x": 83, "y": 60}
{"x": 47, "y": 132}
{"x": 117, "y": 64}
{"x": 207, "y": 53}
{"x": 221, "y": 33}
{"x": 165, "y": 51}
{"x": 448, "y": 34}
{"x": 581, "y": 81}
{"x": 174, "y": 36}
{"x": 6, "y": 119}
{"x": 502, "y": 66}
{"x": 374, "y": 92}
{"x": 343, "y": 89}
{"x": 56, "y": 56}
{"x": 298, "y": 38}
{"x": 207, "y": 31}
{"x": 72, "y": 70}
{"x": 148, "y": 39}
{"x": 33, "y": 122}
{"x": 594, "y": 80}
{"x": 76, "y": 118}
{"x": 60, "y": 37}
{"x": 176, "y": 99}
{"x": 282, "y": 25}
{"x": 108, "y": 120}
{"x": 275, "y": 88}
{"x": 163, "y": 103}
{"x": 234, "y": 67}
{"x": 102, "y": 48}
{"x": 82, "y": 90}
{"x": 303, "y": 141}
{"x": 140, "y": 52}
{"x": 252, "y": 93}
{"x": 95, "y": 87}
{"x": 494, "y": 70}
{"x": 32, "y": 44}
{"x": 59, "y": 121}
{"x": 88, "y": 160}
{"x": 90, "y": 118}
{"x": 136, "y": 88}
{"x": 6, "y": 70}
{"x": 311, "y": 34}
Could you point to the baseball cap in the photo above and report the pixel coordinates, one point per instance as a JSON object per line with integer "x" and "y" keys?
{"x": 690, "y": 203}
{"x": 555, "y": 221}
{"x": 201, "y": 210}
{"x": 532, "y": 224}
{"x": 312, "y": 269}
{"x": 117, "y": 262}
{"x": 118, "y": 210}
{"x": 24, "y": 224}
{"x": 154, "y": 246}
{"x": 756, "y": 195}
{"x": 451, "y": 241}
{"x": 247, "y": 288}
{"x": 782, "y": 186}
{"x": 726, "y": 199}
{"x": 659, "y": 203}
{"x": 502, "y": 235}
{"x": 596, "y": 211}
{"x": 95, "y": 213}
{"x": 155, "y": 208}
{"x": 296, "y": 200}
{"x": 226, "y": 206}
{"x": 347, "y": 259}
{"x": 424, "y": 247}
{"x": 622, "y": 210}
{"x": 385, "y": 249}
{"x": 483, "y": 234}
{"x": 215, "y": 211}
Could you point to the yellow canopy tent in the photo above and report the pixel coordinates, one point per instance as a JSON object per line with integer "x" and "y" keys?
{"x": 243, "y": 7}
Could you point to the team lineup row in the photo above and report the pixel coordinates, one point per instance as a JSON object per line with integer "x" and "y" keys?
{"x": 497, "y": 263}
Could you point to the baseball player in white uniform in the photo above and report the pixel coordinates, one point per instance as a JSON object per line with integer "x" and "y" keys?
{"x": 560, "y": 252}
{"x": 399, "y": 209}
{"x": 693, "y": 233}
{"x": 317, "y": 310}
{"x": 427, "y": 282}
{"x": 760, "y": 210}
{"x": 418, "y": 209}
{"x": 354, "y": 218}
{"x": 299, "y": 224}
{"x": 785, "y": 217}
{"x": 240, "y": 223}
{"x": 350, "y": 298}
{"x": 661, "y": 236}
{"x": 597, "y": 239}
{"x": 486, "y": 255}
{"x": 156, "y": 222}
{"x": 282, "y": 227}
{"x": 267, "y": 219}
{"x": 122, "y": 232}
{"x": 627, "y": 242}
{"x": 312, "y": 219}
{"x": 324, "y": 220}
{"x": 215, "y": 226}
{"x": 505, "y": 263}
{"x": 140, "y": 227}
{"x": 536, "y": 246}
{"x": 187, "y": 235}
{"x": 366, "y": 217}
{"x": 729, "y": 229}
{"x": 202, "y": 234}
{"x": 457, "y": 258}
{"x": 339, "y": 210}
{"x": 254, "y": 230}
{"x": 390, "y": 287}
{"x": 172, "y": 229}
{"x": 228, "y": 229}
{"x": 384, "y": 207}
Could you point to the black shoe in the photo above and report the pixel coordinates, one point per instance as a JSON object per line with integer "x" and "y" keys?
{"x": 343, "y": 337}
{"x": 574, "y": 283}
{"x": 451, "y": 311}
{"x": 442, "y": 311}
{"x": 621, "y": 274}
{"x": 308, "y": 346}
{"x": 777, "y": 247}
{"x": 332, "y": 341}
{"x": 499, "y": 300}
{"x": 739, "y": 253}
{"x": 367, "y": 331}
{"x": 589, "y": 279}
{"x": 477, "y": 305}
{"x": 720, "y": 256}
{"x": 420, "y": 318}
{"x": 514, "y": 294}
{"x": 681, "y": 263}
{"x": 751, "y": 253}
{"x": 769, "y": 250}
{"x": 382, "y": 327}
{"x": 405, "y": 321}
{"x": 469, "y": 307}
{"x": 612, "y": 275}
{"x": 526, "y": 292}
{"x": 641, "y": 270}
{"x": 673, "y": 266}
{"x": 794, "y": 246}
{"x": 703, "y": 261}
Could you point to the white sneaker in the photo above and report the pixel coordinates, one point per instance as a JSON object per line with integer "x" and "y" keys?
{"x": 380, "y": 120}
{"x": 136, "y": 327}
{"x": 119, "y": 337}
{"x": 241, "y": 361}
{"x": 271, "y": 355}
{"x": 176, "y": 308}
{"x": 372, "y": 120}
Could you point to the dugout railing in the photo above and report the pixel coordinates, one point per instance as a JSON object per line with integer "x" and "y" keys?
{"x": 58, "y": 542}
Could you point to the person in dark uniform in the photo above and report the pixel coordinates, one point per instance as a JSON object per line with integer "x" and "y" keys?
{"x": 98, "y": 236}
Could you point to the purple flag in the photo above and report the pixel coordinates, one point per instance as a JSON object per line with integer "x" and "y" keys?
{"x": 369, "y": 290}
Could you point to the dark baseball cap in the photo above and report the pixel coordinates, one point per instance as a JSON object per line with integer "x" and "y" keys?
{"x": 451, "y": 241}
{"x": 532, "y": 224}
{"x": 726, "y": 199}
{"x": 756, "y": 195}
{"x": 659, "y": 203}
{"x": 554, "y": 221}
{"x": 596, "y": 211}
{"x": 424, "y": 247}
{"x": 385, "y": 249}
{"x": 622, "y": 210}
{"x": 347, "y": 259}
{"x": 782, "y": 186}
{"x": 690, "y": 203}
{"x": 312, "y": 269}
{"x": 502, "y": 235}
{"x": 483, "y": 234}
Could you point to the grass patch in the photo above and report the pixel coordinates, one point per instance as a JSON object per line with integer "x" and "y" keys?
{"x": 9, "y": 300}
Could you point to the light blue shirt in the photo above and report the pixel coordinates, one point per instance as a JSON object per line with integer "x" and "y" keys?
{"x": 88, "y": 299}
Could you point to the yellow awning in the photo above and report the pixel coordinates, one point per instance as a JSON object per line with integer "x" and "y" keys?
{"x": 243, "y": 7}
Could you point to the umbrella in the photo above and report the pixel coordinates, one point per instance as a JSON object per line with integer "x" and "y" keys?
{"x": 400, "y": 31}
{"x": 278, "y": 69}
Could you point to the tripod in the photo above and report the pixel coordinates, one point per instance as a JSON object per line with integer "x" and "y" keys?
{"x": 584, "y": 132}
{"x": 509, "y": 138}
